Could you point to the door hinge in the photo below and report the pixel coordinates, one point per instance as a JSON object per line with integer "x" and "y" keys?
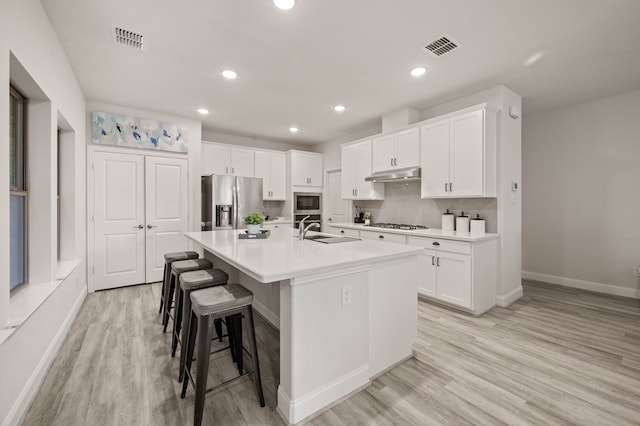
{"x": 93, "y": 217}
{"x": 93, "y": 269}
{"x": 92, "y": 166}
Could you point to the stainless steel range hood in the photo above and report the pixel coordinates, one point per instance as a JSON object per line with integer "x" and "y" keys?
{"x": 399, "y": 175}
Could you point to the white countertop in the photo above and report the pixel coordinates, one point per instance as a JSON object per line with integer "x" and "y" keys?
{"x": 284, "y": 256}
{"x": 279, "y": 221}
{"x": 431, "y": 233}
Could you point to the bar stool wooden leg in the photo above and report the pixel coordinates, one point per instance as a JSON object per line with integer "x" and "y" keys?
{"x": 168, "y": 302}
{"x": 164, "y": 283}
{"x": 177, "y": 322}
{"x": 205, "y": 325}
{"x": 186, "y": 367}
{"x": 253, "y": 349}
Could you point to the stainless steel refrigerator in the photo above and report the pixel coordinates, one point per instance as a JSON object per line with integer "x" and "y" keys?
{"x": 226, "y": 200}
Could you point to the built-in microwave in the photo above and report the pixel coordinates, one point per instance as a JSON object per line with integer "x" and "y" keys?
{"x": 307, "y": 203}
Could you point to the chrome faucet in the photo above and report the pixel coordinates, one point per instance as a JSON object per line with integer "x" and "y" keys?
{"x": 302, "y": 231}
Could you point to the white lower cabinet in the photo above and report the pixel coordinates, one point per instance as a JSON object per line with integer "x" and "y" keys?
{"x": 276, "y": 225}
{"x": 387, "y": 237}
{"x": 344, "y": 232}
{"x": 460, "y": 273}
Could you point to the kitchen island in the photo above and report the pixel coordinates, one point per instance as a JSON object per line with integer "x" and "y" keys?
{"x": 346, "y": 312}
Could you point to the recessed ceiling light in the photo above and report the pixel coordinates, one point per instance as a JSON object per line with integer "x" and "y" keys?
{"x": 229, "y": 74}
{"x": 533, "y": 59}
{"x": 418, "y": 71}
{"x": 293, "y": 129}
{"x": 339, "y": 108}
{"x": 203, "y": 111}
{"x": 284, "y": 4}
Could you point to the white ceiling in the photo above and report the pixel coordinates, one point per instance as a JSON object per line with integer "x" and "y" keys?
{"x": 295, "y": 65}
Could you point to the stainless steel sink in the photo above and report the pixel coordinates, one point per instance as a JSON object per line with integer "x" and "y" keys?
{"x": 330, "y": 239}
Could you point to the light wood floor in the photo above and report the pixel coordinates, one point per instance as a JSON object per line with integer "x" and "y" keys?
{"x": 557, "y": 356}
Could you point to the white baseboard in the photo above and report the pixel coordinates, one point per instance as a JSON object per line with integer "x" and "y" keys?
{"x": 507, "y": 299}
{"x": 307, "y": 405}
{"x": 28, "y": 393}
{"x": 583, "y": 285}
{"x": 270, "y": 316}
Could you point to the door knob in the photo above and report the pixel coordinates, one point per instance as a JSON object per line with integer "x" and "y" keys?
{"x": 149, "y": 226}
{"x": 139, "y": 227}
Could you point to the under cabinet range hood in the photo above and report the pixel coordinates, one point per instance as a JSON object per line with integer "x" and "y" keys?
{"x": 399, "y": 175}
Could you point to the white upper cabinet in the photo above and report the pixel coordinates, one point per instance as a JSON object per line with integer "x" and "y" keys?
{"x": 356, "y": 166}
{"x": 225, "y": 160}
{"x": 397, "y": 150}
{"x": 458, "y": 155}
{"x": 271, "y": 167}
{"x": 306, "y": 169}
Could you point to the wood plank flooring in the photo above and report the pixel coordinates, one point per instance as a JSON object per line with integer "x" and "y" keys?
{"x": 557, "y": 356}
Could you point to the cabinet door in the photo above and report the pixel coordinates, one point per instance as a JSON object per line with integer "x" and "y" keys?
{"x": 344, "y": 232}
{"x": 278, "y": 176}
{"x": 215, "y": 160}
{"x": 467, "y": 155}
{"x": 299, "y": 175}
{"x": 386, "y": 237}
{"x": 364, "y": 189}
{"x": 315, "y": 168}
{"x": 349, "y": 165}
{"x": 407, "y": 148}
{"x": 383, "y": 153}
{"x": 427, "y": 273}
{"x": 434, "y": 159}
{"x": 242, "y": 162}
{"x": 262, "y": 169}
{"x": 454, "y": 278}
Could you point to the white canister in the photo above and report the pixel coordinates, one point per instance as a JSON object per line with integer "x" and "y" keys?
{"x": 462, "y": 223}
{"x": 477, "y": 225}
{"x": 448, "y": 221}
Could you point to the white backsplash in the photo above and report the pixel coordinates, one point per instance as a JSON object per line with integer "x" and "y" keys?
{"x": 273, "y": 208}
{"x": 402, "y": 204}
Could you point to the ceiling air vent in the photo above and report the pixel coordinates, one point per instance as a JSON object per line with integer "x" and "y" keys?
{"x": 122, "y": 37}
{"x": 441, "y": 46}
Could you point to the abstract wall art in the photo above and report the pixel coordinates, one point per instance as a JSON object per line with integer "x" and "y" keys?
{"x": 121, "y": 130}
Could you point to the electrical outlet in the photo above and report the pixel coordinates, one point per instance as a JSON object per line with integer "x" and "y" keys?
{"x": 346, "y": 295}
{"x": 636, "y": 271}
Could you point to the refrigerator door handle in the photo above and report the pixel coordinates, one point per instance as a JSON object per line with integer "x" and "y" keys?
{"x": 235, "y": 204}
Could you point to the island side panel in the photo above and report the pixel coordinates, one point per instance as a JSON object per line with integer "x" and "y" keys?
{"x": 324, "y": 345}
{"x": 393, "y": 312}
{"x": 266, "y": 296}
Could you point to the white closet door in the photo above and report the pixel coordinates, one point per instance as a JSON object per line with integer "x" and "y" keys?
{"x": 119, "y": 220}
{"x": 166, "y": 213}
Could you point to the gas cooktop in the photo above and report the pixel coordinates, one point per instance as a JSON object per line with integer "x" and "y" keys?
{"x": 403, "y": 226}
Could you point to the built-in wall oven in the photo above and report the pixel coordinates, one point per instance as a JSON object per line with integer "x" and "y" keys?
{"x": 307, "y": 204}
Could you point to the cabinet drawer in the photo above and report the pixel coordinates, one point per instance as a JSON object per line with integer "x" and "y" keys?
{"x": 383, "y": 236}
{"x": 461, "y": 247}
{"x": 276, "y": 225}
{"x": 344, "y": 232}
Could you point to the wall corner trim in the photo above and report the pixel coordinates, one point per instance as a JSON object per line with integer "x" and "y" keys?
{"x": 615, "y": 290}
{"x": 505, "y": 300}
{"x": 29, "y": 391}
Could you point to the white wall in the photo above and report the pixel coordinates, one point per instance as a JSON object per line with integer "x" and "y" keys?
{"x": 581, "y": 185}
{"x": 226, "y": 138}
{"x": 332, "y": 151}
{"x": 507, "y": 217}
{"x": 25, "y": 33}
{"x": 194, "y": 129}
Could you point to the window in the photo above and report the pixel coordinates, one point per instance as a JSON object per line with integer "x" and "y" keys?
{"x": 18, "y": 189}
